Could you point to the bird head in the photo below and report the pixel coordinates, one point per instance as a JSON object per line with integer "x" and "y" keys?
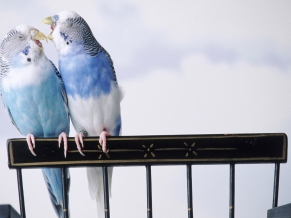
{"x": 60, "y": 21}
{"x": 70, "y": 32}
{"x": 21, "y": 45}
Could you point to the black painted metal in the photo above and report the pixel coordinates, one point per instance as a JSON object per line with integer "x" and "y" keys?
{"x": 7, "y": 211}
{"x": 276, "y": 185}
{"x": 65, "y": 196}
{"x": 106, "y": 192}
{"x": 149, "y": 191}
{"x": 283, "y": 211}
{"x": 232, "y": 191}
{"x": 154, "y": 150}
{"x": 20, "y": 193}
{"x": 189, "y": 190}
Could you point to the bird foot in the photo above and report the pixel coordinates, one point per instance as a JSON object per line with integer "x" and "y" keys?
{"x": 102, "y": 140}
{"x": 63, "y": 136}
{"x": 79, "y": 141}
{"x": 30, "y": 139}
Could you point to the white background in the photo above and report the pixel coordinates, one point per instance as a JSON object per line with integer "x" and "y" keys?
{"x": 186, "y": 67}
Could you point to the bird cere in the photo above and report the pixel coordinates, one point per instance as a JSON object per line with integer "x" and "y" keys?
{"x": 40, "y": 100}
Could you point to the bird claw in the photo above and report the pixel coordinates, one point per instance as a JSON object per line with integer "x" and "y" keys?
{"x": 102, "y": 141}
{"x": 30, "y": 139}
{"x": 63, "y": 136}
{"x": 79, "y": 139}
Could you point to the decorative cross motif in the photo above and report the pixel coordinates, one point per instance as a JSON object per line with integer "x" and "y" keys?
{"x": 149, "y": 150}
{"x": 190, "y": 149}
{"x": 100, "y": 156}
{"x": 251, "y": 142}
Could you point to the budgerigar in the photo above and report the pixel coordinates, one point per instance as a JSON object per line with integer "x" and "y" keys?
{"x": 33, "y": 94}
{"x": 93, "y": 93}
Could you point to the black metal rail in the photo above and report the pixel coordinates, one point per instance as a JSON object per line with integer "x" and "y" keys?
{"x": 189, "y": 191}
{"x": 149, "y": 191}
{"x": 154, "y": 150}
{"x": 106, "y": 193}
{"x": 231, "y": 190}
{"x": 65, "y": 197}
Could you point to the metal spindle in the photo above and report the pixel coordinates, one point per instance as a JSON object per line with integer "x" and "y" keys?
{"x": 149, "y": 191}
{"x": 189, "y": 189}
{"x": 20, "y": 193}
{"x": 65, "y": 196}
{"x": 276, "y": 184}
{"x": 106, "y": 192}
{"x": 231, "y": 190}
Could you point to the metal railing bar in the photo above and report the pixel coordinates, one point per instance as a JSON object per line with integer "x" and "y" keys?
{"x": 106, "y": 192}
{"x": 276, "y": 185}
{"x": 149, "y": 191}
{"x": 20, "y": 193}
{"x": 232, "y": 191}
{"x": 155, "y": 150}
{"x": 65, "y": 196}
{"x": 189, "y": 190}
{"x": 158, "y": 150}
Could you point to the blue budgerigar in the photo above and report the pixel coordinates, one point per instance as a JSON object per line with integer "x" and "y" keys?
{"x": 93, "y": 93}
{"x": 34, "y": 97}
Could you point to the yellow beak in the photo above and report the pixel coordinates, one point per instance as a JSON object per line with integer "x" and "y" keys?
{"x": 40, "y": 36}
{"x": 48, "y": 21}
{"x": 50, "y": 37}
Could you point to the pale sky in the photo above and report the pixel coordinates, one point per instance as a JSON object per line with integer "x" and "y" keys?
{"x": 186, "y": 67}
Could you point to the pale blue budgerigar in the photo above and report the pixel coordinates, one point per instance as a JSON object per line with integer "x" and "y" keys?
{"x": 93, "y": 93}
{"x": 34, "y": 97}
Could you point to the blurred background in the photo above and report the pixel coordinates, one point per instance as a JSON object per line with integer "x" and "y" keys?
{"x": 185, "y": 67}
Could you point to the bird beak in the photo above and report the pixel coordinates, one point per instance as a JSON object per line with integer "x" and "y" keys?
{"x": 49, "y": 21}
{"x": 40, "y": 36}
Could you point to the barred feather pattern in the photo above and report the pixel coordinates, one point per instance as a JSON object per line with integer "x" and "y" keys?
{"x": 80, "y": 31}
{"x": 12, "y": 44}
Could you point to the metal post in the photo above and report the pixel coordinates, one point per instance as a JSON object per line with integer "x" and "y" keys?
{"x": 276, "y": 185}
{"x": 149, "y": 191}
{"x": 65, "y": 196}
{"x": 189, "y": 189}
{"x": 20, "y": 193}
{"x": 106, "y": 193}
{"x": 231, "y": 190}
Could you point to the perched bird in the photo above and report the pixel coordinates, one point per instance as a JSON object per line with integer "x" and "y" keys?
{"x": 34, "y": 97}
{"x": 93, "y": 93}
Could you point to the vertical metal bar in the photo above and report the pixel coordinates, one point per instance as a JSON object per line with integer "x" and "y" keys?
{"x": 232, "y": 190}
{"x": 65, "y": 196}
{"x": 149, "y": 191}
{"x": 276, "y": 185}
{"x": 106, "y": 192}
{"x": 20, "y": 193}
{"x": 189, "y": 190}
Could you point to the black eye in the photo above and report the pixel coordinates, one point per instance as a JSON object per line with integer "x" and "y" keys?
{"x": 28, "y": 59}
{"x": 67, "y": 43}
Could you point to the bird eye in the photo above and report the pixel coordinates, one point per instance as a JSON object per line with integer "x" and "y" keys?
{"x": 21, "y": 37}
